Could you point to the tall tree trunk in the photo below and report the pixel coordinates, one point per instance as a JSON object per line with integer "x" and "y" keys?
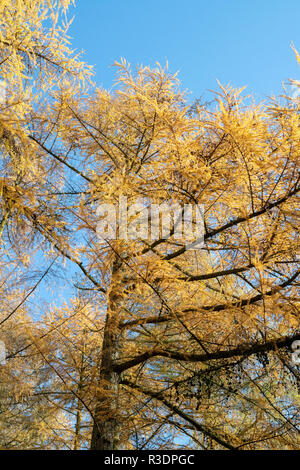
{"x": 78, "y": 426}
{"x": 77, "y": 438}
{"x": 107, "y": 426}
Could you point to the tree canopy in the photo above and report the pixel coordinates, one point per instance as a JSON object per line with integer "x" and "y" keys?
{"x": 157, "y": 344}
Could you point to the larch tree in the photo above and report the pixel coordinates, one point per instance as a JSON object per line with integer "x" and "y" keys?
{"x": 34, "y": 59}
{"x": 189, "y": 330}
{"x": 172, "y": 345}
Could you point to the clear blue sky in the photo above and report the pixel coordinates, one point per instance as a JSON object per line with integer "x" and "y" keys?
{"x": 241, "y": 42}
